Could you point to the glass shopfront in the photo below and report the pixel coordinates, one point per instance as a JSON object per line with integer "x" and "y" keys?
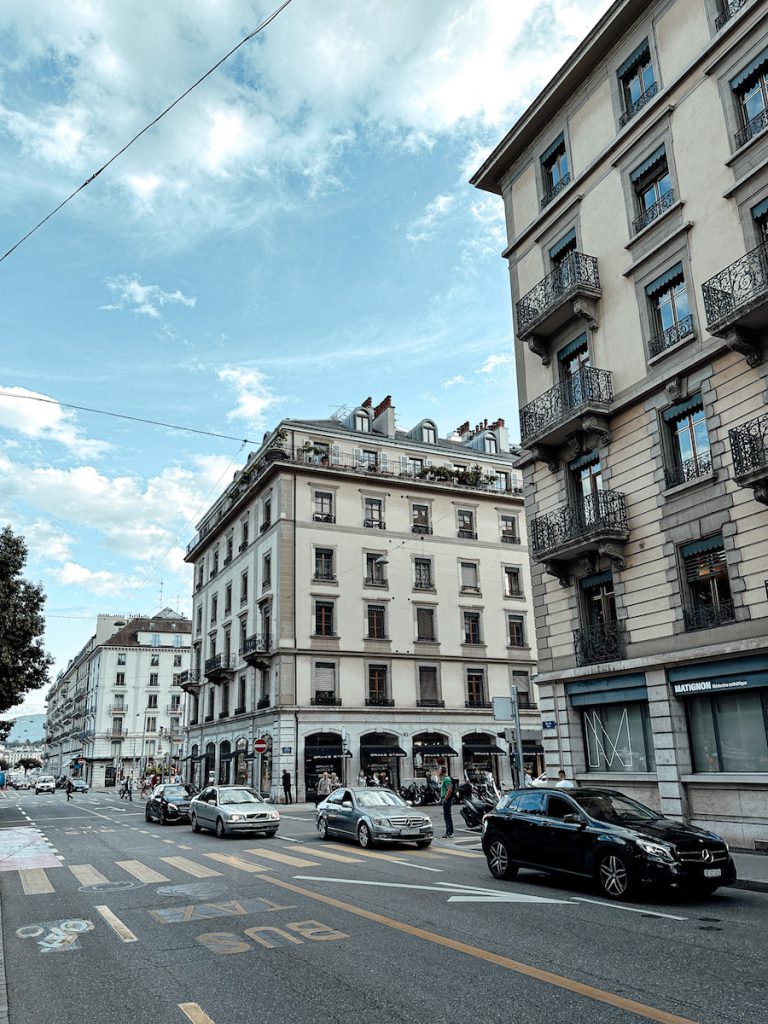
{"x": 431, "y": 752}
{"x": 380, "y": 759}
{"x": 225, "y": 759}
{"x": 323, "y": 752}
{"x": 480, "y": 752}
{"x": 240, "y": 767}
{"x": 617, "y": 738}
{"x": 265, "y": 777}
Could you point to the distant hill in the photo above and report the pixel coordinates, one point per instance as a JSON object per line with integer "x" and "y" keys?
{"x": 27, "y": 729}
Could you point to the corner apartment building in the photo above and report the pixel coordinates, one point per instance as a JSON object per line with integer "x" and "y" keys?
{"x": 636, "y": 196}
{"x": 361, "y": 594}
{"x": 118, "y": 704}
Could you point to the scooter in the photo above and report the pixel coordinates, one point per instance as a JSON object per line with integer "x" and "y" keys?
{"x": 427, "y": 794}
{"x": 478, "y": 801}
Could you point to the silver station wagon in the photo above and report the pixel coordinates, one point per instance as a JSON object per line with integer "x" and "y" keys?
{"x": 372, "y": 815}
{"x": 230, "y": 809}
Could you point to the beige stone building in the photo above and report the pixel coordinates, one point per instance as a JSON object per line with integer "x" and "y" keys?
{"x": 636, "y": 197}
{"x": 361, "y": 594}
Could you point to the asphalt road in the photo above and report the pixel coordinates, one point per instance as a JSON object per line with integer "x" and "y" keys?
{"x": 106, "y": 918}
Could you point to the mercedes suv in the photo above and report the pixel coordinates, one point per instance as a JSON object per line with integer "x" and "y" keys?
{"x": 604, "y": 835}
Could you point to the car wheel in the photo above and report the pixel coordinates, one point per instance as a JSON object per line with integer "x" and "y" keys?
{"x": 500, "y": 859}
{"x": 220, "y": 830}
{"x": 147, "y": 815}
{"x": 364, "y": 836}
{"x": 195, "y": 826}
{"x": 163, "y": 819}
{"x": 322, "y": 828}
{"x": 272, "y": 834}
{"x": 418, "y": 800}
{"x": 614, "y": 876}
{"x": 424, "y": 843}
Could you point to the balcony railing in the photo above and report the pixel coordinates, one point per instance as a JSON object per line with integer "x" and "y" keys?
{"x": 737, "y": 289}
{"x": 467, "y": 535}
{"x": 324, "y": 577}
{"x": 323, "y": 517}
{"x": 325, "y": 698}
{"x": 423, "y": 585}
{"x": 374, "y": 524}
{"x": 376, "y": 700}
{"x": 708, "y": 616}
{"x": 421, "y": 528}
{"x": 690, "y": 469}
{"x": 731, "y": 7}
{"x": 118, "y": 709}
{"x": 672, "y": 336}
{"x": 596, "y": 644}
{"x": 588, "y": 387}
{"x": 478, "y": 704}
{"x": 751, "y": 128}
{"x": 574, "y": 272}
{"x": 430, "y": 702}
{"x": 649, "y": 215}
{"x": 595, "y": 515}
{"x": 189, "y": 679}
{"x": 509, "y": 538}
{"x": 261, "y": 703}
{"x": 749, "y": 447}
{"x": 259, "y": 643}
{"x": 548, "y": 196}
{"x": 220, "y": 664}
{"x": 640, "y": 102}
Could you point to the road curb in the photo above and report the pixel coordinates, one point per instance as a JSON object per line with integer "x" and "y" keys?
{"x": 747, "y": 883}
{"x": 4, "y": 1019}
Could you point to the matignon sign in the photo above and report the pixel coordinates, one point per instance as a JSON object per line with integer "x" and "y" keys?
{"x": 698, "y": 686}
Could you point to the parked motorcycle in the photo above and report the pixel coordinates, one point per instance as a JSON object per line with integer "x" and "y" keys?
{"x": 480, "y": 798}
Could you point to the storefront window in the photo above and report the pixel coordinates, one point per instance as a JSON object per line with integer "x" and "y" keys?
{"x": 618, "y": 738}
{"x": 729, "y": 733}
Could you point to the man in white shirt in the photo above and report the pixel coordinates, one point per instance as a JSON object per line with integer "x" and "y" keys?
{"x": 563, "y": 782}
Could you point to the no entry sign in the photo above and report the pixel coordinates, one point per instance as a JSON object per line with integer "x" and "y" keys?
{"x": 260, "y": 746}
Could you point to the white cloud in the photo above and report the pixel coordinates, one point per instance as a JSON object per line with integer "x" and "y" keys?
{"x": 253, "y": 394}
{"x": 497, "y": 362}
{"x": 47, "y": 541}
{"x": 424, "y": 227}
{"x": 147, "y": 299}
{"x": 98, "y": 581}
{"x": 40, "y": 417}
{"x": 453, "y": 381}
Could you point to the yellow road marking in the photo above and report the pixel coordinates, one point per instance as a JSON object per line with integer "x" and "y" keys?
{"x": 189, "y": 866}
{"x": 194, "y": 1013}
{"x": 283, "y": 858}
{"x": 141, "y": 871}
{"x": 34, "y": 881}
{"x": 557, "y": 980}
{"x": 86, "y": 874}
{"x": 114, "y": 922}
{"x": 438, "y": 851}
{"x": 342, "y": 858}
{"x": 236, "y": 862}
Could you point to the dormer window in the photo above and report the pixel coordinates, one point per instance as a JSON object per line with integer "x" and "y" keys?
{"x": 489, "y": 445}
{"x": 428, "y": 433}
{"x": 362, "y": 423}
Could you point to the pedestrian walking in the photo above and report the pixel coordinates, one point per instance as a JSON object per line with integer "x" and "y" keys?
{"x": 287, "y": 786}
{"x": 563, "y": 781}
{"x": 446, "y": 795}
{"x": 323, "y": 788}
{"x": 129, "y": 788}
{"x": 70, "y": 789}
{"x": 361, "y": 779}
{"x": 334, "y": 781}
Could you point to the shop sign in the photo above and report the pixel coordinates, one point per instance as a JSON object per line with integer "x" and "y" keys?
{"x": 286, "y": 750}
{"x": 549, "y": 723}
{"x": 697, "y": 686}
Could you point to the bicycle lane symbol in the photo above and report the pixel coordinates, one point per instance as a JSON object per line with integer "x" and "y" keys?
{"x": 56, "y": 936}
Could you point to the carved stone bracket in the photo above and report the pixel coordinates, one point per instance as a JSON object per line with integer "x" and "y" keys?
{"x": 586, "y": 309}
{"x": 539, "y": 347}
{"x": 558, "y": 570}
{"x": 575, "y": 445}
{"x": 585, "y": 566}
{"x": 543, "y": 454}
{"x": 674, "y": 389}
{"x": 613, "y": 553}
{"x": 741, "y": 341}
{"x": 597, "y": 425}
{"x": 760, "y": 491}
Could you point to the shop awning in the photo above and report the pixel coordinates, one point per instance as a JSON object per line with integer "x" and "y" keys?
{"x": 434, "y": 748}
{"x": 532, "y": 747}
{"x": 198, "y": 757}
{"x": 392, "y": 750}
{"x": 483, "y": 748}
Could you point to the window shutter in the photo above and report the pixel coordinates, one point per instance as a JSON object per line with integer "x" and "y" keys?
{"x": 428, "y": 684}
{"x": 383, "y": 462}
{"x": 357, "y": 455}
{"x": 325, "y": 677}
{"x": 335, "y": 455}
{"x": 707, "y": 563}
{"x": 404, "y": 465}
{"x": 468, "y": 574}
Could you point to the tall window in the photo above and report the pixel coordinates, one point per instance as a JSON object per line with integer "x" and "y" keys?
{"x": 688, "y": 442}
{"x": 151, "y": 725}
{"x": 428, "y": 433}
{"x": 177, "y": 661}
{"x": 475, "y": 687}
{"x": 422, "y": 574}
{"x": 420, "y": 519}
{"x": 215, "y": 562}
{"x": 670, "y": 311}
{"x": 561, "y": 255}
{"x": 117, "y": 726}
{"x": 324, "y": 618}
{"x": 709, "y": 601}
{"x": 228, "y": 599}
{"x": 244, "y": 588}
{"x": 155, "y": 641}
{"x": 472, "y": 628}
{"x": 428, "y": 696}
{"x": 470, "y": 583}
{"x": 375, "y": 616}
{"x": 244, "y": 530}
{"x": 598, "y": 600}
{"x": 152, "y": 700}
{"x": 599, "y": 639}
{"x": 214, "y": 608}
{"x": 199, "y": 620}
{"x": 489, "y": 445}
{"x": 637, "y": 81}
{"x": 325, "y": 682}
{"x": 211, "y": 699}
{"x": 375, "y": 565}
{"x": 267, "y": 514}
{"x": 750, "y": 88}
{"x": 652, "y": 185}
{"x": 512, "y": 586}
{"x": 323, "y": 507}
{"x": 120, "y": 679}
{"x": 425, "y": 624}
{"x": 324, "y": 564}
{"x": 153, "y": 679}
{"x": 121, "y": 658}
{"x": 230, "y": 546}
{"x": 760, "y": 218}
{"x": 362, "y": 423}
{"x": 241, "y": 684}
{"x": 554, "y": 170}
{"x": 466, "y": 523}
{"x": 618, "y": 738}
{"x": 224, "y": 700}
{"x": 377, "y": 684}
{"x": 509, "y": 534}
{"x": 515, "y": 631}
{"x": 266, "y": 571}
{"x": 373, "y": 513}
{"x": 729, "y": 731}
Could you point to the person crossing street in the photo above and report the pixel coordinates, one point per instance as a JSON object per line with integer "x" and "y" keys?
{"x": 446, "y": 795}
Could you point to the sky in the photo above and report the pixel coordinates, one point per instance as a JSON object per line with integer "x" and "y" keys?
{"x": 296, "y": 235}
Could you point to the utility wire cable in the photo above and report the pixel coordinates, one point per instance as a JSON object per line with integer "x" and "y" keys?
{"x": 146, "y": 128}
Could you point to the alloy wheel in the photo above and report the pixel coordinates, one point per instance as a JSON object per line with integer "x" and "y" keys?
{"x": 364, "y": 836}
{"x": 498, "y": 859}
{"x": 614, "y": 876}
{"x": 322, "y": 828}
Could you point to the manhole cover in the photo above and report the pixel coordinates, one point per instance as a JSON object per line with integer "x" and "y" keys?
{"x": 709, "y": 928}
{"x": 110, "y": 886}
{"x": 202, "y": 890}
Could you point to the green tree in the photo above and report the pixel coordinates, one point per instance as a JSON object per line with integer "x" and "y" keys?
{"x": 24, "y": 664}
{"x": 29, "y": 762}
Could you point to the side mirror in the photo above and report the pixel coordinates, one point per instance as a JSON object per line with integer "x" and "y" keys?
{"x": 346, "y": 803}
{"x": 574, "y": 819}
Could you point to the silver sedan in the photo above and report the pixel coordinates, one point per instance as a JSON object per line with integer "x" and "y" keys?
{"x": 230, "y": 809}
{"x": 372, "y": 815}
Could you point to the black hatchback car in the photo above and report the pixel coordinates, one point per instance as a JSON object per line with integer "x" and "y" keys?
{"x": 604, "y": 835}
{"x": 169, "y": 802}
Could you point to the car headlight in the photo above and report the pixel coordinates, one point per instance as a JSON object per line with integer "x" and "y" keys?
{"x": 380, "y": 821}
{"x": 274, "y": 816}
{"x": 655, "y": 850}
{"x": 235, "y": 817}
{"x": 172, "y": 807}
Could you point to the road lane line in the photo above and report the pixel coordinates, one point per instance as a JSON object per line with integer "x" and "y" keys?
{"x": 283, "y": 858}
{"x": 236, "y": 862}
{"x": 117, "y": 926}
{"x": 189, "y": 866}
{"x": 630, "y": 910}
{"x": 34, "y": 881}
{"x": 440, "y": 850}
{"x": 195, "y": 1013}
{"x": 556, "y": 980}
{"x": 376, "y": 854}
{"x": 342, "y": 858}
{"x": 86, "y": 874}
{"x": 143, "y": 872}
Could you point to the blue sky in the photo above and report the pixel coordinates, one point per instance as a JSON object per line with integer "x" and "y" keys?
{"x": 295, "y": 236}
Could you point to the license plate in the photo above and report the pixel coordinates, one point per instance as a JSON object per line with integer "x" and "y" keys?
{"x": 410, "y": 831}
{"x": 711, "y": 872}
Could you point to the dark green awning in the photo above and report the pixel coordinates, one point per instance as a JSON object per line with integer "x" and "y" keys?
{"x": 643, "y": 50}
{"x": 676, "y": 411}
{"x": 656, "y": 157}
{"x": 562, "y": 244}
{"x": 698, "y": 547}
{"x": 760, "y": 61}
{"x": 584, "y": 460}
{"x": 595, "y": 581}
{"x": 665, "y": 279}
{"x": 551, "y": 150}
{"x": 572, "y": 346}
{"x": 759, "y": 211}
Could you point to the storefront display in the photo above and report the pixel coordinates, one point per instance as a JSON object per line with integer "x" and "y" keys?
{"x": 480, "y": 753}
{"x": 380, "y": 755}
{"x": 431, "y": 752}
{"x": 323, "y": 752}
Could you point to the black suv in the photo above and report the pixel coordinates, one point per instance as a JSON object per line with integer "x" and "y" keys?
{"x": 602, "y": 834}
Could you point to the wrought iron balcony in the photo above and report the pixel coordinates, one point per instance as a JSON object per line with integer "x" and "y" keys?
{"x": 580, "y": 526}
{"x": 255, "y": 647}
{"x": 749, "y": 450}
{"x": 544, "y": 308}
{"x": 731, "y": 7}
{"x": 323, "y": 517}
{"x": 240, "y": 711}
{"x": 430, "y": 702}
{"x": 674, "y": 335}
{"x": 208, "y": 718}
{"x": 324, "y": 577}
{"x": 467, "y": 535}
{"x": 549, "y": 418}
{"x": 190, "y": 681}
{"x": 376, "y": 700}
{"x": 262, "y": 702}
{"x": 421, "y": 528}
{"x": 220, "y": 666}
{"x": 548, "y": 196}
{"x": 738, "y": 295}
{"x": 423, "y": 585}
{"x": 690, "y": 469}
{"x": 374, "y": 524}
{"x": 325, "y": 698}
{"x": 596, "y": 644}
{"x": 640, "y": 102}
{"x": 652, "y": 213}
{"x": 509, "y": 538}
{"x": 753, "y": 127}
{"x": 478, "y": 704}
{"x": 224, "y": 713}
{"x": 708, "y": 616}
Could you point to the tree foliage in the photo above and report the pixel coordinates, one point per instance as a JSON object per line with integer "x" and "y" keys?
{"x": 24, "y": 664}
{"x": 29, "y": 762}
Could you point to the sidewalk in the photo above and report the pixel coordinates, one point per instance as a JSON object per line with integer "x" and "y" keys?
{"x": 752, "y": 869}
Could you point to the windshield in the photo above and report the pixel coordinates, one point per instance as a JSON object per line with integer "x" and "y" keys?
{"x": 239, "y": 796}
{"x": 368, "y": 798}
{"x": 176, "y": 793}
{"x": 613, "y": 808}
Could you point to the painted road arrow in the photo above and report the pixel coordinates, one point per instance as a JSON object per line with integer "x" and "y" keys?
{"x": 458, "y": 893}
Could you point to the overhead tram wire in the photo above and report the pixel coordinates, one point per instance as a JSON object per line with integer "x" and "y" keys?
{"x": 137, "y": 136}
